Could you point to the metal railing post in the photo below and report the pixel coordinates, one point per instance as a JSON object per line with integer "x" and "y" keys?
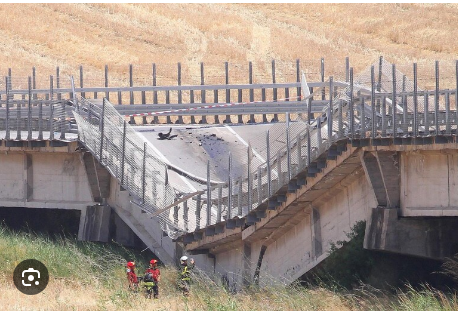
{"x": 249, "y": 176}
{"x": 239, "y": 198}
{"x": 123, "y": 151}
{"x": 73, "y": 95}
{"x": 456, "y": 87}
{"x": 18, "y": 121}
{"x": 340, "y": 120}
{"x": 318, "y": 135}
{"x": 436, "y": 100}
{"x": 288, "y": 152}
{"x": 209, "y": 196}
{"x": 309, "y": 147}
{"x": 350, "y": 107}
{"x": 220, "y": 196}
{"x": 198, "y": 211}
{"x": 7, "y": 122}
{"x": 426, "y": 112}
{"x": 269, "y": 177}
{"x": 447, "y": 112}
{"x": 185, "y": 215}
{"x": 229, "y": 198}
{"x": 384, "y": 124}
{"x": 259, "y": 186}
{"x": 374, "y": 116}
{"x": 393, "y": 102}
{"x": 363, "y": 118}
{"x": 330, "y": 109}
{"x": 415, "y": 101}
{"x": 144, "y": 172}
{"x": 29, "y": 110}
{"x": 279, "y": 173}
{"x": 101, "y": 127}
{"x": 228, "y": 91}
{"x": 51, "y": 123}
{"x": 299, "y": 154}
{"x": 40, "y": 120}
{"x": 107, "y": 94}
{"x": 323, "y": 91}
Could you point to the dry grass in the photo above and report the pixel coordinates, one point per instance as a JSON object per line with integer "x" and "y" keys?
{"x": 93, "y": 35}
{"x": 91, "y": 276}
{"x": 71, "y": 294}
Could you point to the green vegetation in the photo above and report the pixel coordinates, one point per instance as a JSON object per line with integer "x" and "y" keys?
{"x": 91, "y": 276}
{"x": 348, "y": 262}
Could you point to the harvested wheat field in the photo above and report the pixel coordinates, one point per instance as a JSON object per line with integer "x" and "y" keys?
{"x": 97, "y": 38}
{"x": 47, "y": 36}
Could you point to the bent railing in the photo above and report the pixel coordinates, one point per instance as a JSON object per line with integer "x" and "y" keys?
{"x": 382, "y": 106}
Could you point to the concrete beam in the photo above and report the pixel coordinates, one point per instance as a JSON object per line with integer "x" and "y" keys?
{"x": 98, "y": 176}
{"x": 28, "y": 183}
{"x": 383, "y": 174}
{"x": 390, "y": 169}
{"x": 434, "y": 238}
{"x": 96, "y": 225}
{"x": 55, "y": 204}
{"x": 246, "y": 264}
{"x": 317, "y": 244}
{"x": 47, "y": 147}
{"x": 209, "y": 242}
{"x": 374, "y": 177}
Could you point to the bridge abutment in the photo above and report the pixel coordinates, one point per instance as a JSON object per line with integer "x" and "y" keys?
{"x": 95, "y": 223}
{"x": 434, "y": 238}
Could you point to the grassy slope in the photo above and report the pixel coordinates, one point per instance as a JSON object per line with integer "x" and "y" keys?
{"x": 89, "y": 276}
{"x": 68, "y": 35}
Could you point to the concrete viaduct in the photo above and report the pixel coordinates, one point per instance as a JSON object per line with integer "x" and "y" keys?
{"x": 265, "y": 199}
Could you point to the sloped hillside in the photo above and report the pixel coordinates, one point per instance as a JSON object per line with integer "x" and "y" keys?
{"x": 95, "y": 35}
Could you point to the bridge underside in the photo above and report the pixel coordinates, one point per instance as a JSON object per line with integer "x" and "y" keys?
{"x": 392, "y": 187}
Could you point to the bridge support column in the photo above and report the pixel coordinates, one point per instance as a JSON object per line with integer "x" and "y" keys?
{"x": 246, "y": 264}
{"x": 95, "y": 223}
{"x": 317, "y": 246}
{"x": 383, "y": 174}
{"x": 121, "y": 232}
{"x": 434, "y": 238}
{"x": 99, "y": 177}
{"x": 28, "y": 168}
{"x": 258, "y": 265}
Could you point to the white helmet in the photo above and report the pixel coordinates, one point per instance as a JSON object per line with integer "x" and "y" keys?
{"x": 183, "y": 259}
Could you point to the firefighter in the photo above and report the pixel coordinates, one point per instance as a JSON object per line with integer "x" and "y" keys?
{"x": 185, "y": 276}
{"x": 131, "y": 276}
{"x": 152, "y": 278}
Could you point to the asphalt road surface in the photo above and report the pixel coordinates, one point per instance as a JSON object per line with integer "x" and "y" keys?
{"x": 197, "y": 144}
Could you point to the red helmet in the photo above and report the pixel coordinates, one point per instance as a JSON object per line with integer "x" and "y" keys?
{"x": 130, "y": 264}
{"x": 154, "y": 261}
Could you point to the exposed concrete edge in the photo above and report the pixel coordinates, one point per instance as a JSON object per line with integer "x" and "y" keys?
{"x": 47, "y": 204}
{"x": 440, "y": 147}
{"x": 207, "y": 241}
{"x": 70, "y": 147}
{"x": 292, "y": 197}
{"x": 163, "y": 256}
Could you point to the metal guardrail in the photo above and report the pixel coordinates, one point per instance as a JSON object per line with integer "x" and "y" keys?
{"x": 351, "y": 113}
{"x": 195, "y": 102}
{"x": 368, "y": 106}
